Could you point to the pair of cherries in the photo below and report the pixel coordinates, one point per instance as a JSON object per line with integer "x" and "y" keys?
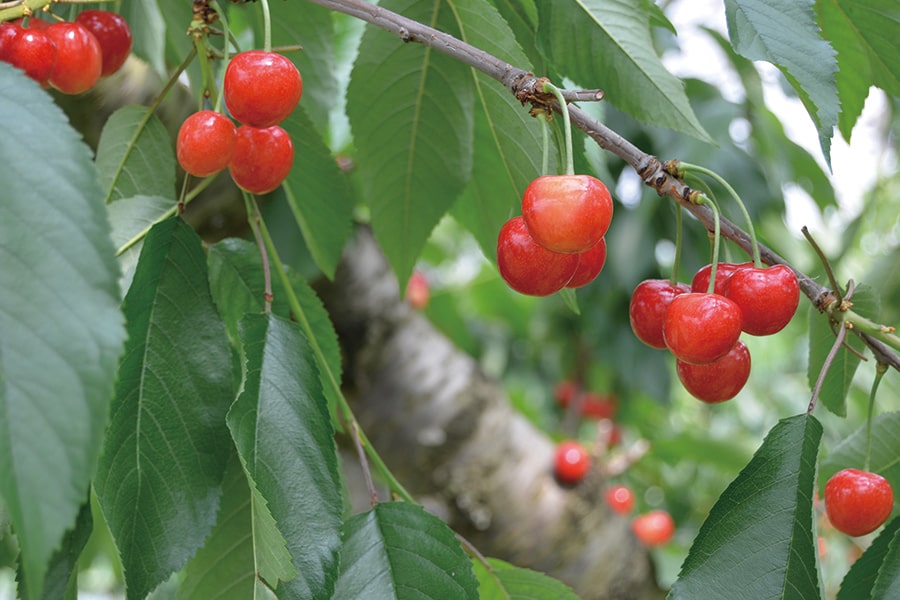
{"x": 703, "y": 329}
{"x": 261, "y": 89}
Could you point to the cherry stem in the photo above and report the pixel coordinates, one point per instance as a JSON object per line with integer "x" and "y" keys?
{"x": 880, "y": 370}
{"x": 254, "y": 218}
{"x": 225, "y": 46}
{"x": 545, "y": 143}
{"x": 364, "y": 464}
{"x": 567, "y": 124}
{"x": 676, "y": 262}
{"x": 829, "y": 272}
{"x": 473, "y": 551}
{"x": 829, "y": 359}
{"x": 267, "y": 26}
{"x": 716, "y": 237}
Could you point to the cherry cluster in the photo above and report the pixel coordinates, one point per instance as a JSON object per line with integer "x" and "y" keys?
{"x": 558, "y": 240}
{"x": 261, "y": 89}
{"x": 69, "y": 56}
{"x": 702, "y": 329}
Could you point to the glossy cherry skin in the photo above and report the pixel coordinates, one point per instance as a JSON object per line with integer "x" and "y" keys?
{"x": 34, "y": 52}
{"x": 654, "y": 528}
{"x": 567, "y": 213}
{"x": 418, "y": 292}
{"x": 571, "y": 462}
{"x": 590, "y": 264}
{"x": 113, "y": 34}
{"x": 768, "y": 297}
{"x": 528, "y": 267}
{"x": 78, "y": 59}
{"x": 701, "y": 328}
{"x": 647, "y": 309}
{"x": 700, "y": 282}
{"x": 262, "y": 158}
{"x": 261, "y": 88}
{"x": 205, "y": 143}
{"x": 620, "y": 498}
{"x": 858, "y": 502}
{"x": 719, "y": 380}
{"x": 8, "y": 33}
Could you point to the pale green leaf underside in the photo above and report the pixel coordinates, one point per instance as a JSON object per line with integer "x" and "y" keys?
{"x": 887, "y": 584}
{"x": 129, "y": 218}
{"x": 508, "y": 582}
{"x": 61, "y": 329}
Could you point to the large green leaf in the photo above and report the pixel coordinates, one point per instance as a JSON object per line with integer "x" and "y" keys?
{"x": 860, "y": 579}
{"x": 863, "y": 32}
{"x": 61, "y": 329}
{"x": 149, "y": 39}
{"x": 785, "y": 33}
{"x": 411, "y": 112}
{"x": 283, "y": 433}
{"x": 129, "y": 218}
{"x": 887, "y": 584}
{"x": 160, "y": 474}
{"x": 399, "y": 551}
{"x": 851, "y": 452}
{"x": 134, "y": 156}
{"x": 608, "y": 44}
{"x": 504, "y": 581}
{"x": 757, "y": 541}
{"x": 507, "y": 151}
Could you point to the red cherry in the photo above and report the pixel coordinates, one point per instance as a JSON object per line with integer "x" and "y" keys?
{"x": 719, "y": 380}
{"x": 700, "y": 283}
{"x": 528, "y": 267}
{"x": 567, "y": 213}
{"x": 649, "y": 302}
{"x": 34, "y": 52}
{"x": 768, "y": 297}
{"x": 858, "y": 502}
{"x": 590, "y": 264}
{"x": 8, "y": 33}
{"x": 113, "y": 34}
{"x": 700, "y": 328}
{"x": 572, "y": 462}
{"x": 261, "y": 88}
{"x": 417, "y": 290}
{"x": 620, "y": 498}
{"x": 593, "y": 405}
{"x": 78, "y": 58}
{"x": 262, "y": 158}
{"x": 206, "y": 142}
{"x": 654, "y": 528}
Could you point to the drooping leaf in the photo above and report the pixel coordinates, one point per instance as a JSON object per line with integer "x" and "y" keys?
{"x": 851, "y": 452}
{"x": 785, "y": 33}
{"x": 614, "y": 52}
{"x": 508, "y": 582}
{"x": 411, "y": 112}
{"x": 129, "y": 217}
{"x": 863, "y": 34}
{"x": 283, "y": 433}
{"x": 860, "y": 579}
{"x": 399, "y": 551}
{"x": 160, "y": 475}
{"x": 757, "y": 541}
{"x": 61, "y": 329}
{"x": 135, "y": 156}
{"x": 887, "y": 584}
{"x": 833, "y": 394}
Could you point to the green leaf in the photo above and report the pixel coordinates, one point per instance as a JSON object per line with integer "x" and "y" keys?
{"x": 851, "y": 452}
{"x": 135, "y": 156}
{"x": 411, "y": 112}
{"x": 614, "y": 51}
{"x": 318, "y": 193}
{"x": 507, "y": 149}
{"x": 507, "y": 582}
{"x": 784, "y": 33}
{"x": 863, "y": 34}
{"x": 129, "y": 217}
{"x": 282, "y": 430}
{"x": 860, "y": 579}
{"x": 833, "y": 394}
{"x": 149, "y": 39}
{"x": 160, "y": 474}
{"x": 399, "y": 551}
{"x": 757, "y": 541}
{"x": 61, "y": 329}
{"x": 887, "y": 584}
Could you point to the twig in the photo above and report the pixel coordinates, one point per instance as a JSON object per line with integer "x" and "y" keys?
{"x": 820, "y": 380}
{"x": 364, "y": 463}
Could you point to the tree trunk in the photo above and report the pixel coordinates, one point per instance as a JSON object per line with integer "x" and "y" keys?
{"x": 450, "y": 435}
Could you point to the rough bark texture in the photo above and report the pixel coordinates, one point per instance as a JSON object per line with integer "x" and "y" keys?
{"x": 450, "y": 435}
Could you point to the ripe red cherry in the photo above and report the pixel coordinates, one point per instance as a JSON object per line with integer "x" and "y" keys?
{"x": 654, "y": 528}
{"x": 768, "y": 297}
{"x": 590, "y": 264}
{"x": 205, "y": 143}
{"x": 620, "y": 498}
{"x": 719, "y": 380}
{"x": 528, "y": 267}
{"x": 34, "y": 52}
{"x": 572, "y": 462}
{"x": 262, "y": 158}
{"x": 261, "y": 88}
{"x": 113, "y": 34}
{"x": 78, "y": 58}
{"x": 700, "y": 328}
{"x": 417, "y": 290}
{"x": 567, "y": 213}
{"x": 649, "y": 302}
{"x": 858, "y": 502}
{"x": 8, "y": 34}
{"x": 700, "y": 283}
